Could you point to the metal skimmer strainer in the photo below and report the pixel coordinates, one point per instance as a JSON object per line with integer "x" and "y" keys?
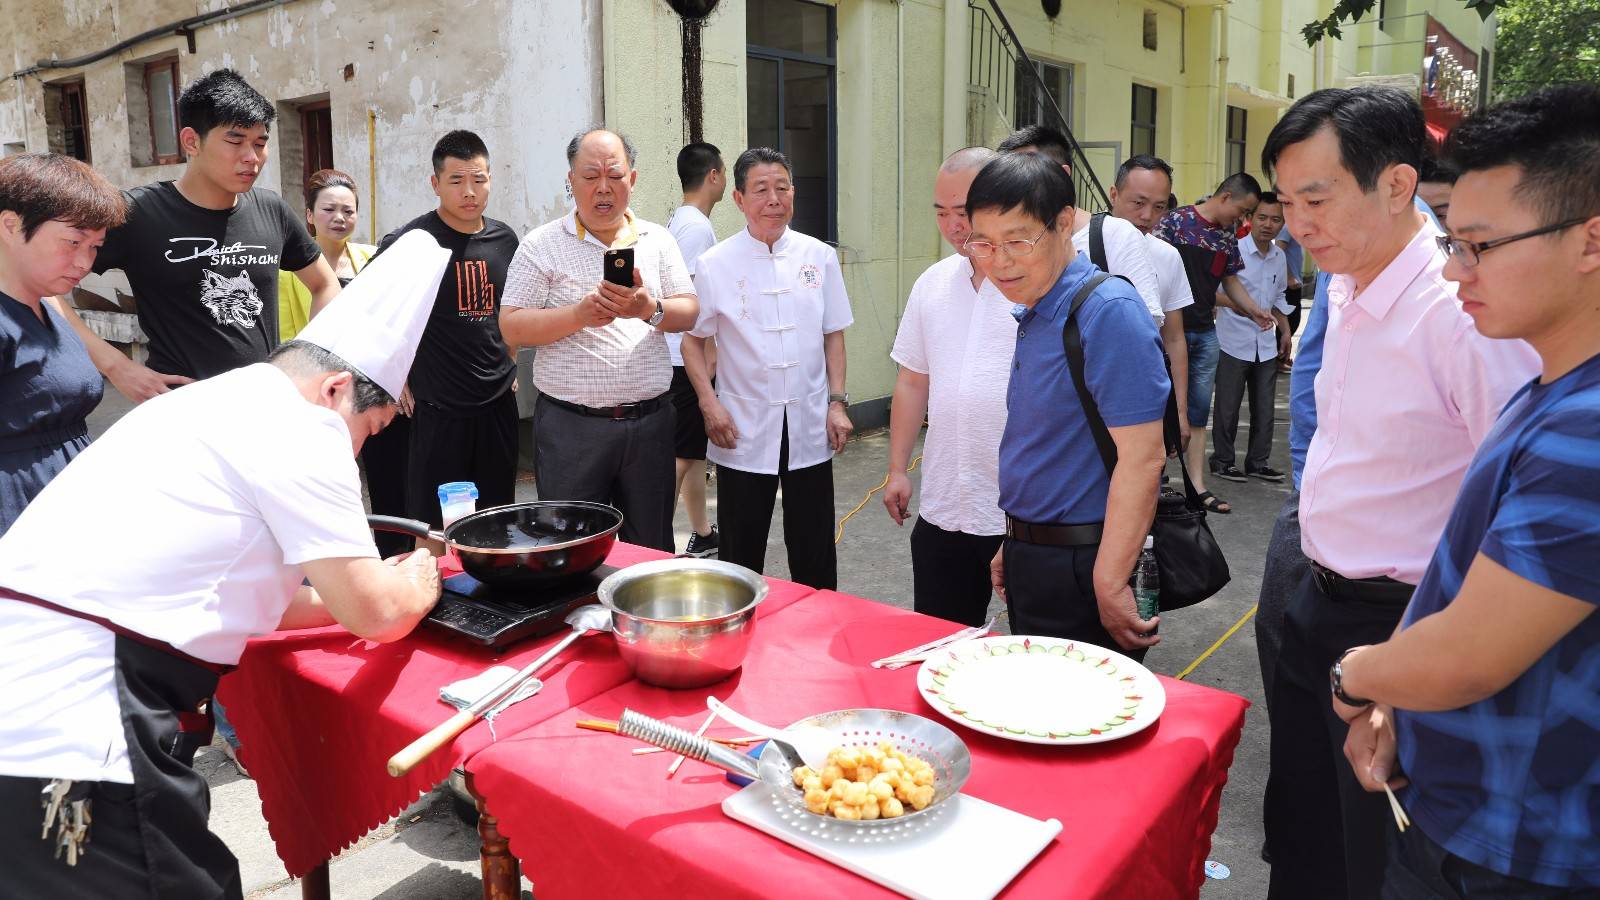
{"x": 911, "y": 734}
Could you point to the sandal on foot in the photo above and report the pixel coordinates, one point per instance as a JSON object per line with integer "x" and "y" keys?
{"x": 1215, "y": 504}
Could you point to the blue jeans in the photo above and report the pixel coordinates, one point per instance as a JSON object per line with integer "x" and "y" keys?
{"x": 224, "y": 728}
{"x": 1203, "y": 354}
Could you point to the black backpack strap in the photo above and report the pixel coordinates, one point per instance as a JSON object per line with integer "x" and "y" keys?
{"x": 1072, "y": 343}
{"x": 1097, "y": 241}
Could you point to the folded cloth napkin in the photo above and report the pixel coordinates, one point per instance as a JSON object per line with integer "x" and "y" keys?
{"x": 462, "y": 694}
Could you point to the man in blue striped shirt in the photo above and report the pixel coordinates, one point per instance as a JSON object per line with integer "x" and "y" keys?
{"x": 1490, "y": 688}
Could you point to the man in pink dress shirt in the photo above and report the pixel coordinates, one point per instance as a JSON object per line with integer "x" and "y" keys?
{"x": 1407, "y": 391}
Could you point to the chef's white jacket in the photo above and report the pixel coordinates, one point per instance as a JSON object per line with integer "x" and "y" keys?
{"x": 188, "y": 522}
{"x": 768, "y": 310}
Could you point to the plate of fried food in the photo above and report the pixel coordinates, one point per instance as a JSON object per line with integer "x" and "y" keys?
{"x": 890, "y": 767}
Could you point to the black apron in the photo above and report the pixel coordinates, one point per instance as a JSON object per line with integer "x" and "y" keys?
{"x": 150, "y": 838}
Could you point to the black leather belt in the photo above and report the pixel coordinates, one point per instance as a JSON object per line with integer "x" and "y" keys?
{"x": 1370, "y": 590}
{"x": 1054, "y": 535}
{"x": 620, "y": 411}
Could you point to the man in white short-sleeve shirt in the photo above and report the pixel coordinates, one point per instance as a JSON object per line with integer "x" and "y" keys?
{"x": 775, "y": 301}
{"x": 602, "y": 426}
{"x": 700, "y": 172}
{"x": 954, "y": 348}
{"x": 1141, "y": 194}
{"x": 138, "y": 574}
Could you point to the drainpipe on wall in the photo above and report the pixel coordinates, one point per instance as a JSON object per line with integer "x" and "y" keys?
{"x": 957, "y": 24}
{"x": 1214, "y": 122}
{"x": 1220, "y": 145}
{"x": 900, "y": 155}
{"x": 372, "y": 172}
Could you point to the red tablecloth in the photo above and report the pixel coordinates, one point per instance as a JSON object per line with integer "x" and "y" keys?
{"x": 588, "y": 819}
{"x": 319, "y": 712}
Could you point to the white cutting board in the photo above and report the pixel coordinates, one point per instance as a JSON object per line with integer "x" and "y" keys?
{"x": 970, "y": 848}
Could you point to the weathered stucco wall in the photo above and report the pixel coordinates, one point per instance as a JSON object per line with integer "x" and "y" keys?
{"x": 524, "y": 75}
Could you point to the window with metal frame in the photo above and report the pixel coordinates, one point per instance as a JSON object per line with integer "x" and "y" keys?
{"x": 1058, "y": 81}
{"x": 791, "y": 82}
{"x": 1238, "y": 128}
{"x": 161, "y": 96}
{"x": 1143, "y": 136}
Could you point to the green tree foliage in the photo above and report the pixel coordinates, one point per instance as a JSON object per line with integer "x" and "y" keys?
{"x": 1544, "y": 41}
{"x": 1353, "y": 10}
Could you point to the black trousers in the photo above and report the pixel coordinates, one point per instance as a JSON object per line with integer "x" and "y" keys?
{"x": 1050, "y": 592}
{"x": 1235, "y": 377}
{"x": 744, "y": 518}
{"x": 1286, "y": 566}
{"x": 1293, "y": 296}
{"x": 950, "y": 572}
{"x": 478, "y": 446}
{"x": 624, "y": 462}
{"x": 1324, "y": 832}
{"x": 149, "y": 839}
{"x": 386, "y": 457}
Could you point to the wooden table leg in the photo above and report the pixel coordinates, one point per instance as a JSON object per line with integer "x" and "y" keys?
{"x": 502, "y": 874}
{"x": 314, "y": 884}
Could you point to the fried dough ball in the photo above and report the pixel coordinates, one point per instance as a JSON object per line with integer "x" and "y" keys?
{"x": 867, "y": 783}
{"x": 817, "y": 801}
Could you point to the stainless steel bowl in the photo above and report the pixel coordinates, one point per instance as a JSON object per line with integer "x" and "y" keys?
{"x": 683, "y": 623}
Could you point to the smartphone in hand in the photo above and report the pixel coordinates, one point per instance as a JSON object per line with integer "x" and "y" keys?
{"x": 618, "y": 266}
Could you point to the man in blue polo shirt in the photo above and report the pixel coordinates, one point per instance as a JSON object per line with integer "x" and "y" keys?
{"x": 1491, "y": 686}
{"x": 1072, "y": 533}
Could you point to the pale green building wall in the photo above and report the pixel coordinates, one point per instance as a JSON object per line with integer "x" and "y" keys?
{"x": 1207, "y": 56}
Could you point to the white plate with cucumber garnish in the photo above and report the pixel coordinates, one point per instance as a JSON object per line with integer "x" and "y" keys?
{"x": 1042, "y": 690}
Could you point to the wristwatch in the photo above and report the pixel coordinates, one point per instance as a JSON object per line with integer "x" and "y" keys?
{"x": 658, "y": 315}
{"x": 840, "y": 398}
{"x": 1336, "y": 681}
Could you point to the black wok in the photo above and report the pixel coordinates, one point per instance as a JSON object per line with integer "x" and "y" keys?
{"x": 524, "y": 544}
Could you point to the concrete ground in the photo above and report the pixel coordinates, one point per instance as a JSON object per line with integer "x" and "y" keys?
{"x": 429, "y": 853}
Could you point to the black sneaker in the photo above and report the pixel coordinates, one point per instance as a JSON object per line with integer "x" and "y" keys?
{"x": 1229, "y": 473}
{"x": 702, "y": 546}
{"x": 1266, "y": 473}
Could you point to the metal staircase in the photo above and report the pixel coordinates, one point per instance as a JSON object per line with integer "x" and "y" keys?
{"x": 1002, "y": 79}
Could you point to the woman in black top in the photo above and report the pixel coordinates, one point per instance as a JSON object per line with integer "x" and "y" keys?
{"x": 54, "y": 212}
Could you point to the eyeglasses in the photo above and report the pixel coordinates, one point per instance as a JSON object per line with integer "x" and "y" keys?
{"x": 1469, "y": 251}
{"x": 986, "y": 249}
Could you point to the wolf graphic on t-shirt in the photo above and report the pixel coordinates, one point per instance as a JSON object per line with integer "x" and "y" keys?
{"x": 232, "y": 301}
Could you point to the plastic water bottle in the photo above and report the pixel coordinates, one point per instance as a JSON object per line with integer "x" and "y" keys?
{"x": 1146, "y": 581}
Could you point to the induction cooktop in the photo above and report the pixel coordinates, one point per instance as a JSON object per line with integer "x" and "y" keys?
{"x": 499, "y": 617}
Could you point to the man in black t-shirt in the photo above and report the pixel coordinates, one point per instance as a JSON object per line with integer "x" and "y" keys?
{"x": 202, "y": 253}
{"x": 460, "y": 395}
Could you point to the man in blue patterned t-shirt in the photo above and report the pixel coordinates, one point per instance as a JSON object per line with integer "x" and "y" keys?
{"x": 1490, "y": 689}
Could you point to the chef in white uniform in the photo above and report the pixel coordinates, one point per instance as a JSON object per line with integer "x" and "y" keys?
{"x": 135, "y": 578}
{"x": 775, "y": 302}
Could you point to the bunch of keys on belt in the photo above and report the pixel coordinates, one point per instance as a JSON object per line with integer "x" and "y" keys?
{"x": 66, "y": 805}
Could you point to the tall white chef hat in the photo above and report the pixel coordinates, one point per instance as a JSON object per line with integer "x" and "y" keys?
{"x": 376, "y": 322}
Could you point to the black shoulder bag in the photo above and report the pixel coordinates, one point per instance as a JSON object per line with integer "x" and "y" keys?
{"x": 1191, "y": 563}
